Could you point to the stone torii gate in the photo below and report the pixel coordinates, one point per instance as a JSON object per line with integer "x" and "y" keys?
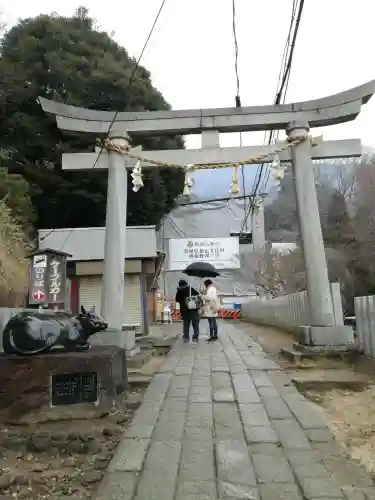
{"x": 296, "y": 119}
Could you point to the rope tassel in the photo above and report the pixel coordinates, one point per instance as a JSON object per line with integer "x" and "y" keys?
{"x": 186, "y": 191}
{"x": 278, "y": 171}
{"x": 137, "y": 177}
{"x": 234, "y": 189}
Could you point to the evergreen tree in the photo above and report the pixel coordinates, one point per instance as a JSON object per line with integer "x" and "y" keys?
{"x": 68, "y": 60}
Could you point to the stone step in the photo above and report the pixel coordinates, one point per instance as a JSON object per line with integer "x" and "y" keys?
{"x": 326, "y": 380}
{"x": 156, "y": 341}
{"x": 298, "y": 353}
{"x": 135, "y": 378}
{"x": 140, "y": 359}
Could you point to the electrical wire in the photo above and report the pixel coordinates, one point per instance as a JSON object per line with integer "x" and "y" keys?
{"x": 288, "y": 68}
{"x": 281, "y": 85}
{"x": 283, "y": 67}
{"x": 48, "y": 234}
{"x": 133, "y": 74}
{"x": 238, "y": 98}
{"x": 234, "y": 29}
{"x": 274, "y": 134}
{"x": 285, "y": 70}
{"x": 280, "y": 93}
{"x": 212, "y": 200}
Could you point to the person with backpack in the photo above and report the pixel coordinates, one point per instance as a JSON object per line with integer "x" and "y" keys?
{"x": 190, "y": 303}
{"x": 211, "y": 309}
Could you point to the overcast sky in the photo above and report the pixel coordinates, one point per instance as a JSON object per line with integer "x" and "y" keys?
{"x": 191, "y": 58}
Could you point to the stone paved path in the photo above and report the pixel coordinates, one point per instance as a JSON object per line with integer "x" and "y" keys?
{"x": 222, "y": 421}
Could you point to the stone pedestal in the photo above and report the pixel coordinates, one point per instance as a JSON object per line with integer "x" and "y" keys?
{"x": 125, "y": 339}
{"x": 329, "y": 337}
{"x": 49, "y": 384}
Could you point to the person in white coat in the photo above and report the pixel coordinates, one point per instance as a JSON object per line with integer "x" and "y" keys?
{"x": 211, "y": 309}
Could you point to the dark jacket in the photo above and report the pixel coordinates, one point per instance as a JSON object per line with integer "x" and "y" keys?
{"x": 183, "y": 292}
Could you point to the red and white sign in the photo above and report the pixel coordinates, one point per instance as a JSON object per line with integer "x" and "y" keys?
{"x": 38, "y": 295}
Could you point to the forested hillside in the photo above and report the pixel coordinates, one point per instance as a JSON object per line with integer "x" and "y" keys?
{"x": 69, "y": 60}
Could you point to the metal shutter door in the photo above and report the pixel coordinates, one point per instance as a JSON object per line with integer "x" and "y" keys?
{"x": 132, "y": 300}
{"x": 90, "y": 289}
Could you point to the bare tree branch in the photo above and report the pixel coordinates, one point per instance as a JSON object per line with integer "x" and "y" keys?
{"x": 275, "y": 273}
{"x": 364, "y": 205}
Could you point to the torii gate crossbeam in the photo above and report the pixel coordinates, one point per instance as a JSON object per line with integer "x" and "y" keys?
{"x": 331, "y": 110}
{"x": 326, "y": 150}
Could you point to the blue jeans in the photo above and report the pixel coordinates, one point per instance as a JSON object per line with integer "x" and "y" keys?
{"x": 212, "y": 323}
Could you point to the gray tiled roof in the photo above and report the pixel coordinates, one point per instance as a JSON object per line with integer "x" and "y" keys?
{"x": 88, "y": 243}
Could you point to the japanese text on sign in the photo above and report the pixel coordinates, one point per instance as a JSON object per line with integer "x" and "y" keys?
{"x": 37, "y": 287}
{"x": 55, "y": 280}
{"x": 203, "y": 250}
{"x": 73, "y": 388}
{"x": 223, "y": 253}
{"x": 39, "y": 277}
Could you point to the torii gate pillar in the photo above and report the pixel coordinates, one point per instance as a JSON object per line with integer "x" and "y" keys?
{"x": 112, "y": 306}
{"x": 323, "y": 326}
{"x": 318, "y": 289}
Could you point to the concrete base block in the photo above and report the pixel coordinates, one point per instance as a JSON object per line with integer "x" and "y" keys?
{"x": 137, "y": 360}
{"x": 129, "y": 338}
{"x": 119, "y": 338}
{"x": 132, "y": 352}
{"x": 299, "y": 354}
{"x": 33, "y": 397}
{"x": 326, "y": 336}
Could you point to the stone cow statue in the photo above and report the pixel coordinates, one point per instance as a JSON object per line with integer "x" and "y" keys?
{"x": 36, "y": 332}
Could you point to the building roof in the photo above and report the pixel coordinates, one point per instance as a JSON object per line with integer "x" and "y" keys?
{"x": 48, "y": 251}
{"x": 88, "y": 243}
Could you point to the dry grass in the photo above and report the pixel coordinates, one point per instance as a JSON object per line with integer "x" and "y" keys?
{"x": 13, "y": 262}
{"x": 351, "y": 417}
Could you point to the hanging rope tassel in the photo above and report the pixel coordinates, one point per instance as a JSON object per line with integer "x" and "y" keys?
{"x": 137, "y": 177}
{"x": 186, "y": 191}
{"x": 234, "y": 189}
{"x": 278, "y": 171}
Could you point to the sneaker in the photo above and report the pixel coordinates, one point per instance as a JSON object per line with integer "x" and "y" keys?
{"x": 211, "y": 339}
{"x": 195, "y": 340}
{"x": 186, "y": 341}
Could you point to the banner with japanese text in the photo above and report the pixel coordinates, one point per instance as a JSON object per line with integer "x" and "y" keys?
{"x": 222, "y": 253}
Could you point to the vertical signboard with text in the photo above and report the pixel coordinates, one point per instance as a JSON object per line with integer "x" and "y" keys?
{"x": 56, "y": 279}
{"x": 47, "y": 278}
{"x": 38, "y": 279}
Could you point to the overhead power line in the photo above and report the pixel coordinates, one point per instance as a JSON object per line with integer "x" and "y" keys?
{"x": 234, "y": 29}
{"x": 280, "y": 96}
{"x": 213, "y": 200}
{"x": 280, "y": 93}
{"x": 286, "y": 75}
{"x": 238, "y": 97}
{"x": 133, "y": 73}
{"x": 132, "y": 76}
